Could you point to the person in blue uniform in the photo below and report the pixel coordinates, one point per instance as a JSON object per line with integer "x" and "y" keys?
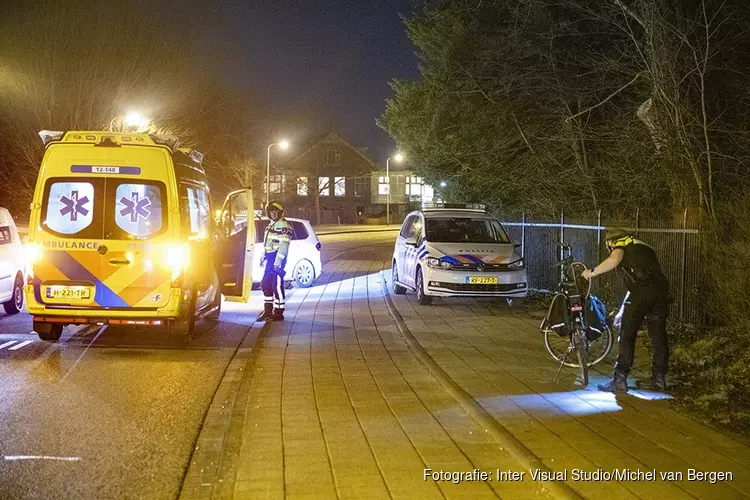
{"x": 276, "y": 241}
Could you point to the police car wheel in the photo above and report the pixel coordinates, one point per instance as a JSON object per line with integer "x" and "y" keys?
{"x": 397, "y": 289}
{"x": 15, "y": 304}
{"x": 422, "y": 298}
{"x": 304, "y": 274}
{"x": 49, "y": 332}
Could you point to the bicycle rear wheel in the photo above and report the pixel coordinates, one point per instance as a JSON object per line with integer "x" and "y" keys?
{"x": 582, "y": 352}
{"x": 559, "y": 347}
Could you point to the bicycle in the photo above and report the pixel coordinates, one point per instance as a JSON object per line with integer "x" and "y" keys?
{"x": 571, "y": 333}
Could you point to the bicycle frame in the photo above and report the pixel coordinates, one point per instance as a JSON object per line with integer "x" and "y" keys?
{"x": 569, "y": 286}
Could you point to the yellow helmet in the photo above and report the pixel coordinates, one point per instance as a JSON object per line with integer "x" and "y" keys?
{"x": 274, "y": 205}
{"x": 615, "y": 235}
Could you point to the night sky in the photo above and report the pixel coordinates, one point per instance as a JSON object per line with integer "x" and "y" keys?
{"x": 310, "y": 65}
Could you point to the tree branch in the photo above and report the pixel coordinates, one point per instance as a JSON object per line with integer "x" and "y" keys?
{"x": 631, "y": 82}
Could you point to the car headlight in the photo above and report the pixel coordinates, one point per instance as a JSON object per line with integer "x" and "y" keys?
{"x": 516, "y": 266}
{"x": 432, "y": 262}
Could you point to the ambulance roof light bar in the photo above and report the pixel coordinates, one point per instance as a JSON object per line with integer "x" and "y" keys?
{"x": 171, "y": 141}
{"x": 194, "y": 154}
{"x": 48, "y": 136}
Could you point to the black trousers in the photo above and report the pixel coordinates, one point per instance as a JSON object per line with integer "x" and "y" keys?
{"x": 272, "y": 283}
{"x": 651, "y": 303}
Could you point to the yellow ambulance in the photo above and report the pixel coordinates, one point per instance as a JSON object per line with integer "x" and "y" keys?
{"x": 122, "y": 232}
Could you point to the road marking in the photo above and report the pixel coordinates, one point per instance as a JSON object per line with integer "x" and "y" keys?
{"x": 22, "y": 344}
{"x": 41, "y": 457}
{"x": 2, "y": 346}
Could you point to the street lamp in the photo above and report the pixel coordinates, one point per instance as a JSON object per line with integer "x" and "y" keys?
{"x": 399, "y": 158}
{"x": 443, "y": 184}
{"x": 132, "y": 119}
{"x": 283, "y": 145}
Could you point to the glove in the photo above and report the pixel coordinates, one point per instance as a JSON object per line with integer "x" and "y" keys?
{"x": 618, "y": 320}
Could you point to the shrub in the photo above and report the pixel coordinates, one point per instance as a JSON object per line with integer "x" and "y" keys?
{"x": 711, "y": 373}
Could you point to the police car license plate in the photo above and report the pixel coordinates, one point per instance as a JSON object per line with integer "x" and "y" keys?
{"x": 481, "y": 280}
{"x": 69, "y": 292}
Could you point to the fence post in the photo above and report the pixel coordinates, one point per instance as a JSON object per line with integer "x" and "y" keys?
{"x": 599, "y": 234}
{"x": 637, "y": 220}
{"x": 523, "y": 235}
{"x": 684, "y": 263}
{"x": 562, "y": 240}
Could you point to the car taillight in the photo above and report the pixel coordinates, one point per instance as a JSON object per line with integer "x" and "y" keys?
{"x": 317, "y": 245}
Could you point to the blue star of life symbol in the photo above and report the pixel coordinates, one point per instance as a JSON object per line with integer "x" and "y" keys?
{"x": 74, "y": 206}
{"x": 135, "y": 207}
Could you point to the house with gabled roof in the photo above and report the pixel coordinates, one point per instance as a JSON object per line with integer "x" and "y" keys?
{"x": 333, "y": 181}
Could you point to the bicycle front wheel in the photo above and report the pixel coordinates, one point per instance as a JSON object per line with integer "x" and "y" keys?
{"x": 582, "y": 347}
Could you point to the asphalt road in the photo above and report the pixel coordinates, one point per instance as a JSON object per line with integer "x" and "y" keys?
{"x": 114, "y": 412}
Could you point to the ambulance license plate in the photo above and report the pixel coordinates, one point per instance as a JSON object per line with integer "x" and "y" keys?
{"x": 69, "y": 292}
{"x": 481, "y": 280}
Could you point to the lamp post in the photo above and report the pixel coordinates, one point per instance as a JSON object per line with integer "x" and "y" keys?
{"x": 282, "y": 145}
{"x": 399, "y": 158}
{"x": 132, "y": 119}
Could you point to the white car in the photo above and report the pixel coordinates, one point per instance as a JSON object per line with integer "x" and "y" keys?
{"x": 303, "y": 263}
{"x": 447, "y": 252}
{"x": 12, "y": 265}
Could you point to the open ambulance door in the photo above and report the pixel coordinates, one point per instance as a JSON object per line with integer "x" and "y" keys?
{"x": 237, "y": 234}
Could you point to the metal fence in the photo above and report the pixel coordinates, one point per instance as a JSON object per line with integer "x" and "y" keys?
{"x": 676, "y": 242}
{"x": 327, "y": 217}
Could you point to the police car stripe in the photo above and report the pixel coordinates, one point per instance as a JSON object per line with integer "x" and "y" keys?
{"x": 451, "y": 260}
{"x": 472, "y": 258}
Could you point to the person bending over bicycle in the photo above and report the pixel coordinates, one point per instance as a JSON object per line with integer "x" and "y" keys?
{"x": 648, "y": 296}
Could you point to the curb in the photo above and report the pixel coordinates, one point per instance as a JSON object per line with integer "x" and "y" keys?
{"x": 502, "y": 436}
{"x": 215, "y": 452}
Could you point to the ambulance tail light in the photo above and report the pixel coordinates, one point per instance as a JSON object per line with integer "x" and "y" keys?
{"x": 33, "y": 253}
{"x": 177, "y": 258}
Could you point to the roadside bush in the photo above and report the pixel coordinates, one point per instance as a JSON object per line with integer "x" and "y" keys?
{"x": 712, "y": 374}
{"x": 711, "y": 365}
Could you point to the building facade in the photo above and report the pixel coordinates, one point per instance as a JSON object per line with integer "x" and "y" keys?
{"x": 334, "y": 182}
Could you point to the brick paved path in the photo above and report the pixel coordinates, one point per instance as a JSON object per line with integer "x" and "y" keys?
{"x": 497, "y": 355}
{"x": 334, "y": 403}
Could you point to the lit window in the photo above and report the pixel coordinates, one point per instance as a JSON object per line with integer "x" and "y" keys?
{"x": 277, "y": 182}
{"x": 382, "y": 185}
{"x": 302, "y": 186}
{"x": 339, "y": 187}
{"x": 324, "y": 186}
{"x": 413, "y": 186}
